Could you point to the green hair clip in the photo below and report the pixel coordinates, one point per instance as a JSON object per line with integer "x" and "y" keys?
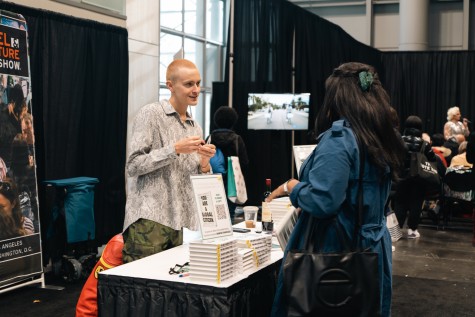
{"x": 366, "y": 80}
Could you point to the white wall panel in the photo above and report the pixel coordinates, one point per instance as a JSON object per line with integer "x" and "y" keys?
{"x": 144, "y": 34}
{"x": 71, "y": 10}
{"x": 143, "y": 20}
{"x": 386, "y": 30}
{"x": 446, "y": 26}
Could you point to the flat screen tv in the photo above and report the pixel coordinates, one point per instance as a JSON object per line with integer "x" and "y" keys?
{"x": 273, "y": 111}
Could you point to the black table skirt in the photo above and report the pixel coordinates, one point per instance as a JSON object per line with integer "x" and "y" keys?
{"x": 128, "y": 296}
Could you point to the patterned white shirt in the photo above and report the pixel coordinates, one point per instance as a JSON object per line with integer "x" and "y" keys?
{"x": 457, "y": 128}
{"x": 161, "y": 189}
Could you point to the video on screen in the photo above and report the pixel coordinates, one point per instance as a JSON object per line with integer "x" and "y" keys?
{"x": 272, "y": 111}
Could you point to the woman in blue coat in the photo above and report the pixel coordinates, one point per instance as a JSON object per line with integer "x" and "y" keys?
{"x": 355, "y": 117}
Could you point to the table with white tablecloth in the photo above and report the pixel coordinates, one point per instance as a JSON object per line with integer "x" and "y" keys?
{"x": 145, "y": 288}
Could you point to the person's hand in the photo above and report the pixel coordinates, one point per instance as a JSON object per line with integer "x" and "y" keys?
{"x": 279, "y": 191}
{"x": 189, "y": 145}
{"x": 276, "y": 193}
{"x": 206, "y": 152}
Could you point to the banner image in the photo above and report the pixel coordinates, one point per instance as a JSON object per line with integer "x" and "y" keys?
{"x": 20, "y": 241}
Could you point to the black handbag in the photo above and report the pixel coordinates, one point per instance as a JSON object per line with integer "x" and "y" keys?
{"x": 422, "y": 169}
{"x": 332, "y": 284}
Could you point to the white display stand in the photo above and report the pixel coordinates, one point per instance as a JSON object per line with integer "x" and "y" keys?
{"x": 211, "y": 203}
{"x": 301, "y": 152}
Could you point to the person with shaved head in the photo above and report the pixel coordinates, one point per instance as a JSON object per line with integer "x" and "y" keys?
{"x": 166, "y": 147}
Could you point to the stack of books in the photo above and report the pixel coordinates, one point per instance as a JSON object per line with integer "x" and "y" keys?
{"x": 245, "y": 259}
{"x": 285, "y": 227}
{"x": 259, "y": 244}
{"x": 213, "y": 260}
{"x": 279, "y": 208}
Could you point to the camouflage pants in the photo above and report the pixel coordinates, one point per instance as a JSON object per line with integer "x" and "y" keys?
{"x": 146, "y": 237}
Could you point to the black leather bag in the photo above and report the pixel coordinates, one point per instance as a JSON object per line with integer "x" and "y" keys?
{"x": 332, "y": 284}
{"x": 423, "y": 170}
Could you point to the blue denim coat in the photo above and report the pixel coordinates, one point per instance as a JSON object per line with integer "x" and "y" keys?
{"x": 329, "y": 188}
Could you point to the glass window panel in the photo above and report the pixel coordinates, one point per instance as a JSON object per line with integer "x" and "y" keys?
{"x": 215, "y": 21}
{"x": 171, "y": 14}
{"x": 213, "y": 64}
{"x": 169, "y": 46}
{"x": 164, "y": 93}
{"x": 194, "y": 17}
{"x": 194, "y": 52}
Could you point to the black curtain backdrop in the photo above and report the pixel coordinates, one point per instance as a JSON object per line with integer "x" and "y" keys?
{"x": 427, "y": 84}
{"x": 79, "y": 75}
{"x": 262, "y": 63}
{"x": 263, "y": 41}
{"x": 419, "y": 83}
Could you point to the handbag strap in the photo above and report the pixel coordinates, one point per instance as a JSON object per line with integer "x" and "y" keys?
{"x": 359, "y": 217}
{"x": 325, "y": 223}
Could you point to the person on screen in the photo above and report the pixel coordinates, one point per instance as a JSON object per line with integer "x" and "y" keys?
{"x": 269, "y": 114}
{"x": 12, "y": 221}
{"x": 166, "y": 147}
{"x": 329, "y": 179}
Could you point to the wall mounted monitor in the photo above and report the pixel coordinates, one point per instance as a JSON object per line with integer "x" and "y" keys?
{"x": 276, "y": 111}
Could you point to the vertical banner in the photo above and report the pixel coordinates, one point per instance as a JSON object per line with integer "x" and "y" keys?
{"x": 20, "y": 241}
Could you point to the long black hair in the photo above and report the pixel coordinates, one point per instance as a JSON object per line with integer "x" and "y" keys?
{"x": 354, "y": 92}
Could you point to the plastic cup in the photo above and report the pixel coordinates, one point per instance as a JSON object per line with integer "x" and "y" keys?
{"x": 250, "y": 216}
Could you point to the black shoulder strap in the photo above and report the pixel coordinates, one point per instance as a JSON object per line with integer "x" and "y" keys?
{"x": 359, "y": 217}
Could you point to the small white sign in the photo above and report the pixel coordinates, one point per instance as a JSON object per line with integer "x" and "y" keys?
{"x": 301, "y": 152}
{"x": 212, "y": 206}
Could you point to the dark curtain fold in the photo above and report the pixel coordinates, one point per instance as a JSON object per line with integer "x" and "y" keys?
{"x": 262, "y": 63}
{"x": 427, "y": 84}
{"x": 79, "y": 75}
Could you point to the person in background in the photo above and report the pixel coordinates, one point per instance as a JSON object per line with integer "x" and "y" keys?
{"x": 440, "y": 159}
{"x": 454, "y": 126}
{"x": 12, "y": 221}
{"x": 229, "y": 142}
{"x": 461, "y": 158}
{"x": 328, "y": 185}
{"x": 439, "y": 149}
{"x": 453, "y": 145}
{"x": 111, "y": 257}
{"x": 410, "y": 192}
{"x": 471, "y": 159}
{"x": 166, "y": 147}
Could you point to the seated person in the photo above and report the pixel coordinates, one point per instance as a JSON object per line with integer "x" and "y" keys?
{"x": 440, "y": 159}
{"x": 111, "y": 257}
{"x": 461, "y": 158}
{"x": 438, "y": 147}
{"x": 453, "y": 145}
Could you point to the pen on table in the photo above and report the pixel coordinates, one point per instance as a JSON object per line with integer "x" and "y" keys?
{"x": 184, "y": 275}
